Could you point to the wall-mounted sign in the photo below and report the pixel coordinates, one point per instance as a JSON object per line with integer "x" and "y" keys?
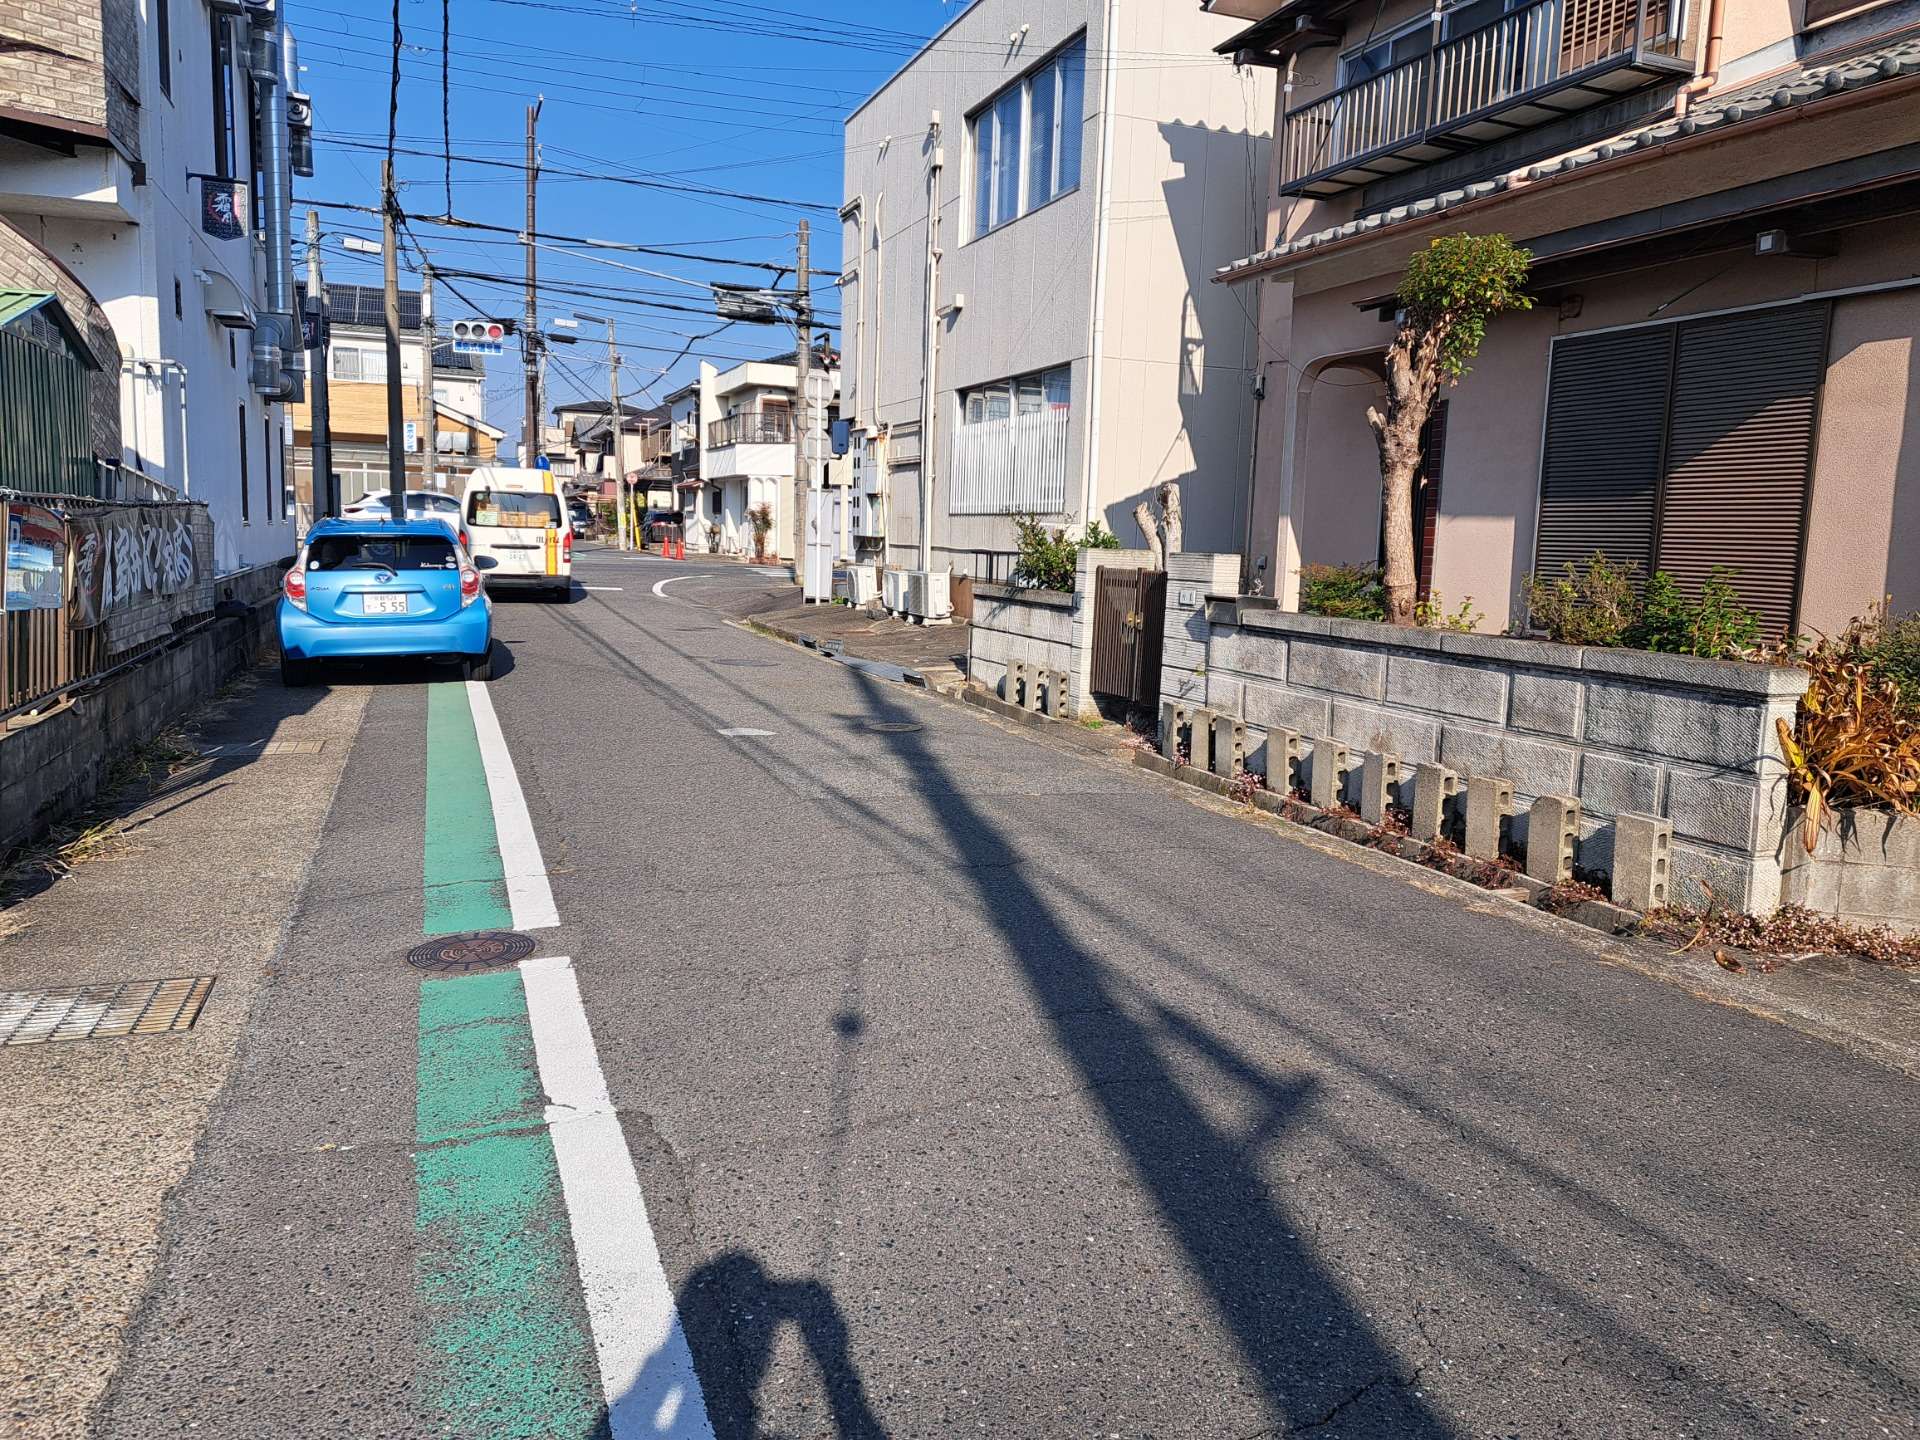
{"x": 33, "y": 571}
{"x": 122, "y": 558}
{"x": 223, "y": 207}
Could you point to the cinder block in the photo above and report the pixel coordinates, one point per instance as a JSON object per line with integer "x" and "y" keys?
{"x": 1718, "y": 730}
{"x": 1448, "y": 687}
{"x": 1553, "y": 829}
{"x": 1549, "y": 704}
{"x": 1489, "y": 801}
{"x": 1433, "y": 787}
{"x": 1610, "y": 784}
{"x": 1371, "y": 727}
{"x": 1059, "y": 706}
{"x": 1173, "y": 719}
{"x": 1536, "y": 767}
{"x": 1228, "y": 754}
{"x": 1268, "y": 707}
{"x": 1378, "y": 771}
{"x": 1331, "y": 761}
{"x": 1642, "y": 860}
{"x": 1200, "y": 738}
{"x": 1283, "y": 756}
{"x": 1016, "y": 681}
{"x": 1720, "y": 812}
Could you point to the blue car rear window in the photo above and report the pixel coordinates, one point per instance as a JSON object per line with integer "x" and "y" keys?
{"x": 382, "y": 552}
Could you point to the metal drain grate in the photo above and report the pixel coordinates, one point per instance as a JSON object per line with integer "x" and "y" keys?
{"x": 475, "y": 950}
{"x": 101, "y": 1012}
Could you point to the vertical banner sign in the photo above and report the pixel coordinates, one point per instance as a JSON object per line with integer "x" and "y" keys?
{"x": 35, "y": 568}
{"x": 223, "y": 207}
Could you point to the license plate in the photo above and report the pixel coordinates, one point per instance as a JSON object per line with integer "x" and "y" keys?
{"x": 384, "y": 604}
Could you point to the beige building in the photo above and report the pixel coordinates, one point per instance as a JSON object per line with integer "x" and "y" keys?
{"x": 1053, "y": 345}
{"x": 1720, "y": 367}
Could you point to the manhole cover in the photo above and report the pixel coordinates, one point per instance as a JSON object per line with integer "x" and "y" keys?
{"x": 476, "y": 950}
{"x": 893, "y": 727}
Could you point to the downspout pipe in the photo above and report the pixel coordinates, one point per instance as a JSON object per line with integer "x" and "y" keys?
{"x": 1097, "y": 335}
{"x": 1709, "y": 75}
{"x": 275, "y": 335}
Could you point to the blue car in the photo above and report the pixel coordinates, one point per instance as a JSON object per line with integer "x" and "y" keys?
{"x": 369, "y": 589}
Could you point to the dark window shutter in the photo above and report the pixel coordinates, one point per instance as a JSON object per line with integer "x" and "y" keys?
{"x": 1606, "y": 431}
{"x": 1426, "y": 495}
{"x": 1740, "y": 453}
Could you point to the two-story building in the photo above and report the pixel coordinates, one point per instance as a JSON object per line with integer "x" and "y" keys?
{"x": 1720, "y": 368}
{"x": 147, "y": 156}
{"x": 442, "y": 441}
{"x": 1051, "y": 344}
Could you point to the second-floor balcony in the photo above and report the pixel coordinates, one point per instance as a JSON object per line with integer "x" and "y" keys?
{"x": 1525, "y": 68}
{"x": 769, "y": 427}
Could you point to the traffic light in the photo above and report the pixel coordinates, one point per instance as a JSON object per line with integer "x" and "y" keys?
{"x": 484, "y": 331}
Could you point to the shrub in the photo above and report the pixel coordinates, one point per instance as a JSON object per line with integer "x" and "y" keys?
{"x": 1596, "y": 605}
{"x": 760, "y": 517}
{"x": 1044, "y": 559}
{"x": 1431, "y": 614}
{"x": 1714, "y": 626}
{"x": 1098, "y": 537}
{"x": 1893, "y": 650}
{"x": 1345, "y": 592}
{"x": 1850, "y": 744}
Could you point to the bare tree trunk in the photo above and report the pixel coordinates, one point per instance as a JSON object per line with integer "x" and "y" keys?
{"x": 1150, "y": 527}
{"x": 1172, "y": 520}
{"x": 1412, "y": 380}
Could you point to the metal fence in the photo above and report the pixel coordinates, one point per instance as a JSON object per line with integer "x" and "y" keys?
{"x": 1011, "y": 464}
{"x": 45, "y": 444}
{"x": 88, "y": 586}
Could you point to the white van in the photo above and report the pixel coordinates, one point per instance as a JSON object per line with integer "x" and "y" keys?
{"x": 517, "y": 526}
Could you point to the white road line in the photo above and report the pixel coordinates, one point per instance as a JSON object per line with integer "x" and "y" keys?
{"x": 612, "y": 587}
{"x": 743, "y": 732}
{"x": 660, "y": 586}
{"x": 646, "y": 1365}
{"x": 528, "y": 893}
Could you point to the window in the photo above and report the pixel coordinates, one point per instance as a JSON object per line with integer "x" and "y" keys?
{"x": 163, "y": 43}
{"x": 1381, "y": 54}
{"x": 1023, "y": 395}
{"x": 246, "y": 517}
{"x": 382, "y": 552}
{"x": 516, "y": 508}
{"x": 1025, "y": 143}
{"x": 225, "y": 138}
{"x": 364, "y": 363}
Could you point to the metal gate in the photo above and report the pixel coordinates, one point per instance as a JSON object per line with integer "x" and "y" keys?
{"x": 1129, "y": 618}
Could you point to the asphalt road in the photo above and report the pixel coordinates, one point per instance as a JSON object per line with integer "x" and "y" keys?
{"x": 977, "y": 1088}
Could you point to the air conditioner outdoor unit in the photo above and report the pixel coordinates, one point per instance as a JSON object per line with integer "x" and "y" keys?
{"x": 893, "y": 590}
{"x": 863, "y": 583}
{"x": 929, "y": 595}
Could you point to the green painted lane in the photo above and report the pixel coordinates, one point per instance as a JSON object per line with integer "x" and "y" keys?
{"x": 507, "y": 1353}
{"x": 465, "y": 883}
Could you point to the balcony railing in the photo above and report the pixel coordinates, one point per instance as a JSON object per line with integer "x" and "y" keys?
{"x": 771, "y": 427}
{"x": 1526, "y": 68}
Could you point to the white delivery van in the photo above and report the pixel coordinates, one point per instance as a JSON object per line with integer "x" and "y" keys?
{"x": 516, "y": 522}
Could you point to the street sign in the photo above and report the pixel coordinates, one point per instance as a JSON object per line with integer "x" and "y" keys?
{"x": 819, "y": 389}
{"x": 412, "y": 440}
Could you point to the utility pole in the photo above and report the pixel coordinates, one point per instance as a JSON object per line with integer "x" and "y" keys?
{"x": 930, "y": 368}
{"x": 325, "y": 498}
{"x": 530, "y": 327}
{"x": 614, "y": 428}
{"x": 802, "y": 411}
{"x": 396, "y": 409}
{"x": 429, "y": 412}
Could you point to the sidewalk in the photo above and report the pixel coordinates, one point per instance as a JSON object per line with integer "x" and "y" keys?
{"x": 937, "y": 654}
{"x": 193, "y": 879}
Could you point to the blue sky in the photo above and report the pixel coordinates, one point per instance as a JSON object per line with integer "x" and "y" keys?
{"x": 715, "y": 94}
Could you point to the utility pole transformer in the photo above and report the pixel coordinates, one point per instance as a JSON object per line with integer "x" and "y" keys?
{"x": 325, "y": 498}
{"x": 396, "y": 408}
{"x": 530, "y": 328}
{"x": 802, "y": 412}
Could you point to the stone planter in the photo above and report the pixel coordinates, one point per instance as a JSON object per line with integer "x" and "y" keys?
{"x": 1865, "y": 869}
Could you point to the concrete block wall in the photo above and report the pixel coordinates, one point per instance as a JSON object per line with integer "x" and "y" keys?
{"x": 50, "y": 767}
{"x": 1037, "y": 626}
{"x": 1619, "y": 730}
{"x": 1866, "y": 868}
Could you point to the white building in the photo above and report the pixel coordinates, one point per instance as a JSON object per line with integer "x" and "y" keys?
{"x": 147, "y": 146}
{"x": 1088, "y": 167}
{"x": 744, "y": 417}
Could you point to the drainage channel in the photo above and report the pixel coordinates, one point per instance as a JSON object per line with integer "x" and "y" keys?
{"x": 102, "y": 1012}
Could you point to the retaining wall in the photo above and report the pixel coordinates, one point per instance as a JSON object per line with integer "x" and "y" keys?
{"x": 51, "y": 765}
{"x": 1621, "y": 730}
